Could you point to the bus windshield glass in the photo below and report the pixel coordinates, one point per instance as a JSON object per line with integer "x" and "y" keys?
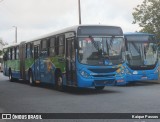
{"x": 142, "y": 53}
{"x": 101, "y": 51}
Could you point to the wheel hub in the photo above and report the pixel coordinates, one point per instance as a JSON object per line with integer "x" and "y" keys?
{"x": 30, "y": 79}
{"x": 60, "y": 81}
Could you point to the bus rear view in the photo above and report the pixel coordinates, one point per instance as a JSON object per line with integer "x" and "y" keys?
{"x": 142, "y": 57}
{"x": 100, "y": 55}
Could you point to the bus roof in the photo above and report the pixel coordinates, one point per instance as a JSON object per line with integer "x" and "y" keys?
{"x": 73, "y": 28}
{"x": 139, "y": 37}
{"x": 69, "y": 29}
{"x": 138, "y": 34}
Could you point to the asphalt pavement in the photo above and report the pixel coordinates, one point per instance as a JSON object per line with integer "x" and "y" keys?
{"x": 20, "y": 97}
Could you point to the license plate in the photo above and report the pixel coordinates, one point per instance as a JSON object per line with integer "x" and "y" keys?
{"x": 143, "y": 77}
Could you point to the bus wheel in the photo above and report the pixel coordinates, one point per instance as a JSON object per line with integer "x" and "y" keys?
{"x": 10, "y": 77}
{"x": 59, "y": 82}
{"x": 31, "y": 81}
{"x": 99, "y": 87}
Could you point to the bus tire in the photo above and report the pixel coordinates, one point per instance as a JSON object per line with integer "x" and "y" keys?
{"x": 99, "y": 87}
{"x": 31, "y": 81}
{"x": 10, "y": 77}
{"x": 59, "y": 82}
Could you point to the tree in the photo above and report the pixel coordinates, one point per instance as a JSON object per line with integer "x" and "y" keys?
{"x": 1, "y": 45}
{"x": 1, "y": 52}
{"x": 147, "y": 15}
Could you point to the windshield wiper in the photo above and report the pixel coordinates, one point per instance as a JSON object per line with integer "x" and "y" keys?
{"x": 95, "y": 44}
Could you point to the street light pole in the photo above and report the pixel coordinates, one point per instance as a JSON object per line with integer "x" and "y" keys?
{"x": 15, "y": 33}
{"x": 79, "y": 11}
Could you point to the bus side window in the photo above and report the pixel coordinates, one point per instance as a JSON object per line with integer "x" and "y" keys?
{"x": 44, "y": 45}
{"x": 17, "y": 53}
{"x": 61, "y": 45}
{"x": 8, "y": 54}
{"x": 13, "y": 56}
{"x": 32, "y": 50}
{"x": 28, "y": 50}
{"x": 52, "y": 45}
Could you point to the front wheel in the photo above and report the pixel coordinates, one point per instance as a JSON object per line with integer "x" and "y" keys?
{"x": 31, "y": 81}
{"x": 99, "y": 87}
{"x": 59, "y": 82}
{"x": 10, "y": 77}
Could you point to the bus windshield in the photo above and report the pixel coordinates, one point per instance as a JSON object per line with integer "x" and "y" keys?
{"x": 142, "y": 53}
{"x": 101, "y": 51}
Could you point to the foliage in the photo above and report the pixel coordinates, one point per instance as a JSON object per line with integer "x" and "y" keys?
{"x": 1, "y": 52}
{"x": 147, "y": 15}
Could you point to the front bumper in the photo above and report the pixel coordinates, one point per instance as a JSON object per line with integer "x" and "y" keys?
{"x": 128, "y": 78}
{"x": 141, "y": 77}
{"x": 92, "y": 82}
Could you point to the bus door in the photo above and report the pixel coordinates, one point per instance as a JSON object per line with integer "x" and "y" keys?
{"x": 70, "y": 61}
{"x": 36, "y": 62}
{"x": 22, "y": 57}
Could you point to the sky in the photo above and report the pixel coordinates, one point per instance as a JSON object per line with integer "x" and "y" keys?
{"x": 35, "y": 18}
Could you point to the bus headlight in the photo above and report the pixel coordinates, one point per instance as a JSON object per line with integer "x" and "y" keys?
{"x": 84, "y": 74}
{"x": 135, "y": 73}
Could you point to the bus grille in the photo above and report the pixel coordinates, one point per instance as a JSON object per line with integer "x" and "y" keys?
{"x": 109, "y": 75}
{"x": 106, "y": 70}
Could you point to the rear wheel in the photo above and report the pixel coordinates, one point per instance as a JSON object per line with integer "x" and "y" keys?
{"x": 99, "y": 87}
{"x": 59, "y": 82}
{"x": 10, "y": 77}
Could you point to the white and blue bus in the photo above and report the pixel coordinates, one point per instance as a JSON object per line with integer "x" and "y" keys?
{"x": 141, "y": 57}
{"x": 79, "y": 56}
